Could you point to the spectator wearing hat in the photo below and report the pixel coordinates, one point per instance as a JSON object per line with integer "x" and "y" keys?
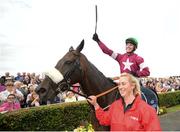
{"x": 129, "y": 62}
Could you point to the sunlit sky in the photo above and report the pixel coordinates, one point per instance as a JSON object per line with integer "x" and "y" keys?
{"x": 35, "y": 34}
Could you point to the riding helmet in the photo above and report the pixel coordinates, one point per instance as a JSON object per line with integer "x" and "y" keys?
{"x": 132, "y": 41}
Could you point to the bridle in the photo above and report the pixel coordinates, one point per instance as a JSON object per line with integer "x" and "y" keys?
{"x": 67, "y": 78}
{"x": 66, "y": 82}
{"x": 76, "y": 65}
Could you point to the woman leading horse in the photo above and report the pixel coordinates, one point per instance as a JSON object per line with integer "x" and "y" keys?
{"x": 130, "y": 112}
{"x": 73, "y": 68}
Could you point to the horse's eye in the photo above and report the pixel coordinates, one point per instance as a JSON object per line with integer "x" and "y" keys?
{"x": 68, "y": 62}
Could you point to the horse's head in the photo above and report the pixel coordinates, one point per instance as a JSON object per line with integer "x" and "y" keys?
{"x": 70, "y": 67}
{"x": 66, "y": 72}
{"x": 46, "y": 90}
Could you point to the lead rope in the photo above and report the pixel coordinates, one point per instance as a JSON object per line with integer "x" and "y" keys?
{"x": 106, "y": 92}
{"x": 97, "y": 96}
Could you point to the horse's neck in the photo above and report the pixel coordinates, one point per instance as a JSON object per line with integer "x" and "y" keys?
{"x": 94, "y": 82}
{"x": 94, "y": 86}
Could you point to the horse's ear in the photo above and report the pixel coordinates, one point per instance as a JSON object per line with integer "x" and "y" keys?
{"x": 80, "y": 47}
{"x": 71, "y": 49}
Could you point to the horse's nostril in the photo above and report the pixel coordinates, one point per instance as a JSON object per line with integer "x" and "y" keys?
{"x": 42, "y": 90}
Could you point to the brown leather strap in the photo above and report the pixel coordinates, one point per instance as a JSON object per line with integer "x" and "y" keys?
{"x": 106, "y": 92}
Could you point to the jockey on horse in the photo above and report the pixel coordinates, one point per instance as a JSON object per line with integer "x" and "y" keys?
{"x": 129, "y": 62}
{"x": 132, "y": 63}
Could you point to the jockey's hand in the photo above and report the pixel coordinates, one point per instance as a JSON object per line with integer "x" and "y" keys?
{"x": 96, "y": 38}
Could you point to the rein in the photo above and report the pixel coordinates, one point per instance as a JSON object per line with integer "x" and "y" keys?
{"x": 97, "y": 96}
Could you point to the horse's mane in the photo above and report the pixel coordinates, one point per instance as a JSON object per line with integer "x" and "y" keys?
{"x": 101, "y": 74}
{"x": 95, "y": 70}
{"x": 105, "y": 82}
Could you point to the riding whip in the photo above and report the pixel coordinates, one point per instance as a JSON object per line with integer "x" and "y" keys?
{"x": 96, "y": 18}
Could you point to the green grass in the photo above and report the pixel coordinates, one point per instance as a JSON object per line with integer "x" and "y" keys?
{"x": 173, "y": 109}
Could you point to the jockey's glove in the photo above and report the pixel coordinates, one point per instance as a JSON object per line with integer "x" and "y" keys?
{"x": 96, "y": 38}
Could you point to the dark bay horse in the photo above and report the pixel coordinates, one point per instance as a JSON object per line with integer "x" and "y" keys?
{"x": 73, "y": 68}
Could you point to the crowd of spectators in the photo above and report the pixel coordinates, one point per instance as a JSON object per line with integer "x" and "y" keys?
{"x": 22, "y": 87}
{"x": 161, "y": 85}
{"x": 19, "y": 91}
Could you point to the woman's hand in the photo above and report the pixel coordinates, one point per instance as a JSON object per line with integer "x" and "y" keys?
{"x": 93, "y": 100}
